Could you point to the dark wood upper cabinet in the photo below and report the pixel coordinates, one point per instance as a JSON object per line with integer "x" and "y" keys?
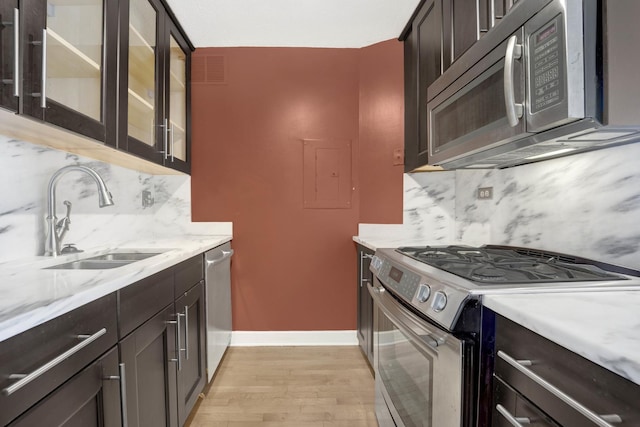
{"x": 69, "y": 64}
{"x": 154, "y": 89}
{"x": 9, "y": 59}
{"x": 465, "y": 23}
{"x": 116, "y": 71}
{"x": 438, "y": 34}
{"x": 424, "y": 62}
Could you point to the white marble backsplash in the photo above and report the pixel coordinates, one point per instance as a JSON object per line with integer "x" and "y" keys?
{"x": 587, "y": 204}
{"x": 25, "y": 170}
{"x": 428, "y": 213}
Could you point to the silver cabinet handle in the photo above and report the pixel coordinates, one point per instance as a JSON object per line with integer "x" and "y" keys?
{"x": 177, "y": 323}
{"x": 225, "y": 255}
{"x": 514, "y": 110}
{"x": 165, "y": 139}
{"x": 599, "y": 420}
{"x": 363, "y": 256}
{"x": 186, "y": 332}
{"x": 43, "y": 82}
{"x": 492, "y": 14}
{"x": 16, "y": 50}
{"x": 179, "y": 341}
{"x": 479, "y": 29}
{"x": 361, "y": 267}
{"x": 171, "y": 142}
{"x": 515, "y": 422}
{"x": 26, "y": 379}
{"x": 123, "y": 395}
{"x": 123, "y": 392}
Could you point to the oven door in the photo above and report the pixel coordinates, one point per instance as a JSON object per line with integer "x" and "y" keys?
{"x": 482, "y": 108}
{"x": 418, "y": 368}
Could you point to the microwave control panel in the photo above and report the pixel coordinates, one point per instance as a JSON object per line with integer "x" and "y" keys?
{"x": 547, "y": 65}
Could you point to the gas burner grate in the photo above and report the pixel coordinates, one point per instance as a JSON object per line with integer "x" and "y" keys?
{"x": 505, "y": 265}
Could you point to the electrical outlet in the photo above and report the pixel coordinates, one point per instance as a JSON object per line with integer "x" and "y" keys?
{"x": 147, "y": 199}
{"x": 485, "y": 193}
{"x": 398, "y": 156}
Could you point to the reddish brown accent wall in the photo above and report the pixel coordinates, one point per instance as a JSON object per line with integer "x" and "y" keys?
{"x": 294, "y": 268}
{"x": 381, "y": 127}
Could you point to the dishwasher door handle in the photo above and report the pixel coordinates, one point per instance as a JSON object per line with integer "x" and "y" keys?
{"x": 225, "y": 255}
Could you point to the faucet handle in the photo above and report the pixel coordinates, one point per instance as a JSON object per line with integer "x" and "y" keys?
{"x": 63, "y": 225}
{"x": 68, "y": 205}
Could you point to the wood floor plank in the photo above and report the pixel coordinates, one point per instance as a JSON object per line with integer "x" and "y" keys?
{"x": 289, "y": 386}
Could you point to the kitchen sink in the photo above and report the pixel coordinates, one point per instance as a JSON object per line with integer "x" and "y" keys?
{"x": 105, "y": 261}
{"x": 124, "y": 256}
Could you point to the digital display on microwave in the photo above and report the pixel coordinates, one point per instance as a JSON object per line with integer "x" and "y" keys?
{"x": 395, "y": 274}
{"x": 544, "y": 34}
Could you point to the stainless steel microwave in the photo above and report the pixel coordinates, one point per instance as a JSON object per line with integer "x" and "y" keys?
{"x": 553, "y": 77}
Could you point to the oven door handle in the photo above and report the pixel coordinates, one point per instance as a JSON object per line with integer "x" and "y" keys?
{"x": 427, "y": 342}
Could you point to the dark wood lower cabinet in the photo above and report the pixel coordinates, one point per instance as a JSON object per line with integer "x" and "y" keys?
{"x": 192, "y": 372}
{"x": 150, "y": 358}
{"x": 365, "y": 303}
{"x": 90, "y": 398}
{"x": 514, "y": 405}
{"x": 543, "y": 384}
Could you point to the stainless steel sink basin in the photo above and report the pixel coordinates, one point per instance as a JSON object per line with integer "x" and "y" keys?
{"x": 124, "y": 256}
{"x": 105, "y": 261}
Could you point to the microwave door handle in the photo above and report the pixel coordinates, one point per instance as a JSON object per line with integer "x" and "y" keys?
{"x": 514, "y": 110}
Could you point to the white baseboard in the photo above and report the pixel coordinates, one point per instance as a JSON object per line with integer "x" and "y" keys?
{"x": 293, "y": 338}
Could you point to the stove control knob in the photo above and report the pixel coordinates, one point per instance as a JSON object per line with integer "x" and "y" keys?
{"x": 439, "y": 301}
{"x": 424, "y": 292}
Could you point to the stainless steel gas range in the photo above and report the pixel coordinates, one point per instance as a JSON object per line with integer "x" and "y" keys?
{"x": 434, "y": 342}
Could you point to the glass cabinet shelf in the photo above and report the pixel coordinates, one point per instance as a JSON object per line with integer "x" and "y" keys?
{"x": 69, "y": 62}
{"x": 142, "y": 76}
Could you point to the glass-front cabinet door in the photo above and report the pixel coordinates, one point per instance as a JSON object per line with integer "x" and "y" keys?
{"x": 144, "y": 97}
{"x": 9, "y": 59}
{"x": 142, "y": 72}
{"x": 177, "y": 94}
{"x": 69, "y": 64}
{"x": 157, "y": 69}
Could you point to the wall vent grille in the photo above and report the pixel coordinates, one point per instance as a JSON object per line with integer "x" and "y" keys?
{"x": 209, "y": 69}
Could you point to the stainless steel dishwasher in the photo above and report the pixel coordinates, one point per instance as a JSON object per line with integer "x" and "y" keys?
{"x": 218, "y": 311}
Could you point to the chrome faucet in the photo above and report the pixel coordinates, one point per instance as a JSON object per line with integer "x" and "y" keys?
{"x": 57, "y": 229}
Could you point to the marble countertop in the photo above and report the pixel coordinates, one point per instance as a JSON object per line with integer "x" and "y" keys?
{"x": 32, "y": 295}
{"x": 603, "y": 327}
{"x": 375, "y": 243}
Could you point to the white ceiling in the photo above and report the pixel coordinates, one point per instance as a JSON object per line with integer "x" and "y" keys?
{"x": 289, "y": 23}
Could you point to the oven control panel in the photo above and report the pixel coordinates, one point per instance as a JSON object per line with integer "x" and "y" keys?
{"x": 403, "y": 282}
{"x": 427, "y": 293}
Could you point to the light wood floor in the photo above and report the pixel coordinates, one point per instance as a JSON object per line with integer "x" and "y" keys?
{"x": 289, "y": 387}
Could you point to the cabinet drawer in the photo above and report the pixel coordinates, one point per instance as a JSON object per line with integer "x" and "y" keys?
{"x": 32, "y": 350}
{"x": 514, "y": 405}
{"x": 592, "y": 386}
{"x": 188, "y": 273}
{"x": 86, "y": 399}
{"x": 139, "y": 302}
